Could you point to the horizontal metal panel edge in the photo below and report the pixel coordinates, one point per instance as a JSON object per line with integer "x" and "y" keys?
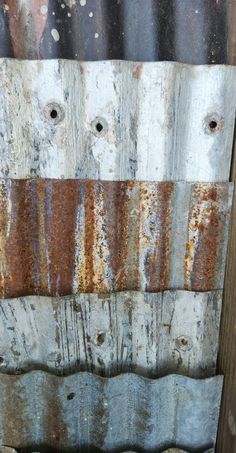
{"x": 192, "y": 32}
{"x": 116, "y": 120}
{"x": 4, "y": 449}
{"x": 149, "y": 334}
{"x": 113, "y": 414}
{"x": 62, "y": 237}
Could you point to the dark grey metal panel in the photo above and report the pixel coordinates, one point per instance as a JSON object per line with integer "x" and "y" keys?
{"x": 188, "y": 31}
{"x": 91, "y": 413}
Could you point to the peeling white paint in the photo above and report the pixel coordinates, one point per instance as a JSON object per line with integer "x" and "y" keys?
{"x": 55, "y": 34}
{"x": 96, "y": 35}
{"x": 91, "y": 14}
{"x": 157, "y": 117}
{"x": 83, "y": 2}
{"x": 138, "y": 331}
{"x": 44, "y": 9}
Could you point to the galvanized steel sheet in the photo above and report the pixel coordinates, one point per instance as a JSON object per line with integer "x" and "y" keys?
{"x": 196, "y": 32}
{"x": 171, "y": 450}
{"x": 62, "y": 237}
{"x": 116, "y": 120}
{"x": 125, "y": 412}
{"x": 149, "y": 334}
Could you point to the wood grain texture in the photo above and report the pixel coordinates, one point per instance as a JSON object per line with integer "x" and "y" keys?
{"x": 149, "y": 334}
{"x": 116, "y": 120}
{"x": 226, "y": 441}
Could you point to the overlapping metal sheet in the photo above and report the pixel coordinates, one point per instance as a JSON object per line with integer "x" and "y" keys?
{"x": 120, "y": 413}
{"x": 116, "y": 120}
{"x": 171, "y": 450}
{"x": 193, "y": 32}
{"x": 149, "y": 334}
{"x": 62, "y": 237}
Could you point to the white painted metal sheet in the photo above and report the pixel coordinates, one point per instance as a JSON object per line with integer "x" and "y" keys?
{"x": 116, "y": 120}
{"x": 150, "y": 334}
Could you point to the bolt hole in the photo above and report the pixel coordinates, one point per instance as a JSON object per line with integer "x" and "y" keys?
{"x": 99, "y": 127}
{"x": 53, "y": 114}
{"x": 1, "y": 359}
{"x": 213, "y": 125}
{"x": 70, "y": 396}
{"x": 101, "y": 338}
{"x": 183, "y": 342}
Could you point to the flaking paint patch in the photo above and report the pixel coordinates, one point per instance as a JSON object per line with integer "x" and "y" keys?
{"x": 55, "y": 34}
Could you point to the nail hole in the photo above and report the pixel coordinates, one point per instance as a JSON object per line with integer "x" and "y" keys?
{"x": 101, "y": 338}
{"x": 184, "y": 343}
{"x": 99, "y": 127}
{"x": 71, "y": 396}
{"x": 53, "y": 114}
{"x": 1, "y": 359}
{"x": 213, "y": 125}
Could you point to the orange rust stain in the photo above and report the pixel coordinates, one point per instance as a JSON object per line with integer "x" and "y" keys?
{"x": 205, "y": 232}
{"x": 137, "y": 71}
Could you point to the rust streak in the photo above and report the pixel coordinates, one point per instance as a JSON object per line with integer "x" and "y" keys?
{"x": 60, "y": 237}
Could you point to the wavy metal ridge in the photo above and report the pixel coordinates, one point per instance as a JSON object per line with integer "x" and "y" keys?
{"x": 149, "y": 334}
{"x": 125, "y": 412}
{"x": 116, "y": 120}
{"x": 192, "y": 32}
{"x": 72, "y": 236}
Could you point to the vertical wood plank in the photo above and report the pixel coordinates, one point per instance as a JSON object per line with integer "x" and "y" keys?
{"x": 226, "y": 441}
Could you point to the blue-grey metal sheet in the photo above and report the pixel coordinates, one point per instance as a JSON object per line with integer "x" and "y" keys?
{"x": 126, "y": 412}
{"x": 152, "y": 334}
{"x": 198, "y": 31}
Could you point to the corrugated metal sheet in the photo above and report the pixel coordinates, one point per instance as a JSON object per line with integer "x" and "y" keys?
{"x": 149, "y": 334}
{"x": 125, "y": 412}
{"x": 171, "y": 450}
{"x": 116, "y": 120}
{"x": 193, "y": 32}
{"x": 63, "y": 237}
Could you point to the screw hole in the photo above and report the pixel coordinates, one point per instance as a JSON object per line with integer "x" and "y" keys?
{"x": 53, "y": 114}
{"x": 183, "y": 342}
{"x": 101, "y": 338}
{"x": 99, "y": 127}
{"x": 213, "y": 125}
{"x": 70, "y": 396}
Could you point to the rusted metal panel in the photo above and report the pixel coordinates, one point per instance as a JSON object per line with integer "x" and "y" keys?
{"x": 116, "y": 414}
{"x": 149, "y": 334}
{"x": 116, "y": 120}
{"x": 62, "y": 237}
{"x": 192, "y": 32}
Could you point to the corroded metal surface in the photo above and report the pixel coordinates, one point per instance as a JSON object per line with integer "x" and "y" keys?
{"x": 65, "y": 237}
{"x": 149, "y": 334}
{"x": 125, "y": 412}
{"x": 192, "y": 32}
{"x": 100, "y": 120}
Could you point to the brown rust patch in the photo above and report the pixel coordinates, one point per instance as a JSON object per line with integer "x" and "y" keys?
{"x": 155, "y": 234}
{"x": 206, "y": 234}
{"x": 137, "y": 71}
{"x": 70, "y": 236}
{"x": 27, "y": 23}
